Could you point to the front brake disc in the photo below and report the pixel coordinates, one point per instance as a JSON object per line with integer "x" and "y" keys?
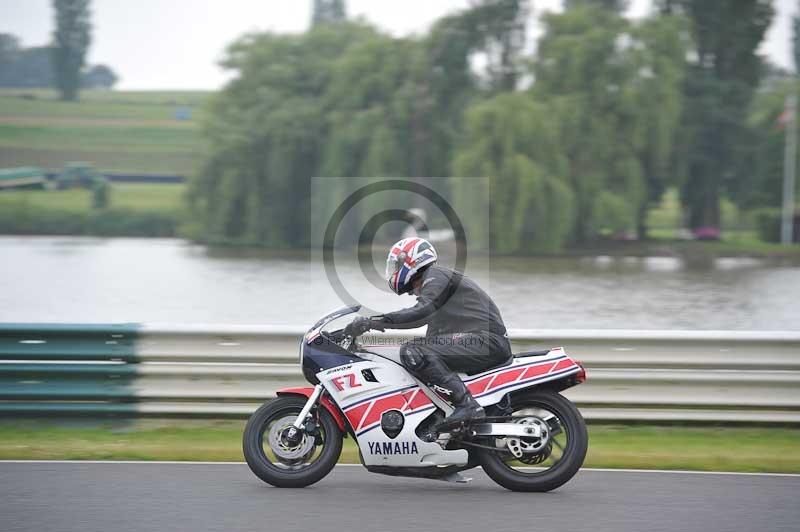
{"x": 284, "y": 451}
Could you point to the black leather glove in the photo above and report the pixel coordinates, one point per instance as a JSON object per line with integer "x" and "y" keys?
{"x": 360, "y": 325}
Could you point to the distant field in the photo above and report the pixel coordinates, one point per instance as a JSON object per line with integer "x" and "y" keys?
{"x": 133, "y": 196}
{"x": 116, "y": 131}
{"x": 138, "y": 105}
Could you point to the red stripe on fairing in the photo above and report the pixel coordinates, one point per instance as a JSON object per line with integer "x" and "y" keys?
{"x": 419, "y": 400}
{"x": 365, "y": 415}
{"x": 480, "y": 385}
{"x": 382, "y": 405}
{"x": 506, "y": 377}
{"x": 354, "y": 415}
{"x": 541, "y": 369}
{"x": 496, "y": 380}
{"x": 563, "y": 364}
{"x": 409, "y": 396}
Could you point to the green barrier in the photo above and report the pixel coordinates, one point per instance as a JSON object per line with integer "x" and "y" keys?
{"x": 67, "y": 370}
{"x": 87, "y": 365}
{"x": 26, "y": 341}
{"x": 38, "y": 408}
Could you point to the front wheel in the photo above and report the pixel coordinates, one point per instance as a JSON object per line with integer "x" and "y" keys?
{"x": 277, "y": 458}
{"x": 538, "y": 464}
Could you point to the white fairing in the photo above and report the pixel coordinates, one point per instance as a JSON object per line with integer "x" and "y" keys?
{"x": 364, "y": 399}
{"x": 363, "y": 403}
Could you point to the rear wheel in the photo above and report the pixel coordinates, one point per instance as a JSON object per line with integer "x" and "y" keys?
{"x": 279, "y": 457}
{"x": 538, "y": 464}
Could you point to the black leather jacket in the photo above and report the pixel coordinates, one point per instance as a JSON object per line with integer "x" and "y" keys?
{"x": 448, "y": 303}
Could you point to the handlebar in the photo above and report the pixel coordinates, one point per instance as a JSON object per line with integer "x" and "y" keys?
{"x": 346, "y": 342}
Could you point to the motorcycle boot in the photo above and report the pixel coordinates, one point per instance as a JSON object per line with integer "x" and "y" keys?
{"x": 449, "y": 386}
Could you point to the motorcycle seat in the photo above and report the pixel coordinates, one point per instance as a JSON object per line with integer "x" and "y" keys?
{"x": 539, "y": 353}
{"x": 510, "y": 360}
{"x": 520, "y": 355}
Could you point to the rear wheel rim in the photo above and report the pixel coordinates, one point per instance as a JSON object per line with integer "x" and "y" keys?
{"x": 541, "y": 456}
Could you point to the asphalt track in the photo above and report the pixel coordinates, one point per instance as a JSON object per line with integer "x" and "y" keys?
{"x": 128, "y": 497}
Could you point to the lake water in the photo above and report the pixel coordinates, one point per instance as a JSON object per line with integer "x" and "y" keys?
{"x": 65, "y": 279}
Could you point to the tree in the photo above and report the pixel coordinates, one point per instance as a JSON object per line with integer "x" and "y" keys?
{"x": 9, "y": 52}
{"x": 658, "y": 51}
{"x": 24, "y": 67}
{"x": 583, "y": 152}
{"x": 601, "y": 74}
{"x": 493, "y": 29}
{"x": 515, "y": 142}
{"x": 796, "y": 41}
{"x": 371, "y": 100}
{"x": 720, "y": 83}
{"x": 446, "y": 83}
{"x": 328, "y": 11}
{"x": 9, "y": 45}
{"x": 98, "y": 77}
{"x": 764, "y": 186}
{"x": 71, "y": 40}
{"x": 266, "y": 136}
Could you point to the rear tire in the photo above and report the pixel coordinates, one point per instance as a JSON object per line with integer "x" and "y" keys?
{"x": 276, "y": 474}
{"x": 568, "y": 465}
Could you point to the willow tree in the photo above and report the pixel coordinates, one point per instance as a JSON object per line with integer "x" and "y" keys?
{"x": 513, "y": 142}
{"x": 657, "y": 52}
{"x": 720, "y": 84}
{"x": 373, "y": 125}
{"x": 266, "y": 134}
{"x": 396, "y": 105}
{"x": 617, "y": 87}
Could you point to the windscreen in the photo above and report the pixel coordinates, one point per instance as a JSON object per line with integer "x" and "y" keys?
{"x": 338, "y": 313}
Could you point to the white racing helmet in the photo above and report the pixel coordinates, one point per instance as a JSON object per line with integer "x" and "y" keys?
{"x": 406, "y": 258}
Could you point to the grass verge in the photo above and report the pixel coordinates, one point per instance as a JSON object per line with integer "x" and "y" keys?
{"x": 704, "y": 449}
{"x": 134, "y": 196}
{"x": 142, "y": 210}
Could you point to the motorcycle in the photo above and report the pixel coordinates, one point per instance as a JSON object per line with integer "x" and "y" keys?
{"x": 532, "y": 438}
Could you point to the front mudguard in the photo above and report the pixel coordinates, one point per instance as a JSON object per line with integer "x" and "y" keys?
{"x": 306, "y": 391}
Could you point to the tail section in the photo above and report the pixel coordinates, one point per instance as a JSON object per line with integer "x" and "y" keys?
{"x": 525, "y": 372}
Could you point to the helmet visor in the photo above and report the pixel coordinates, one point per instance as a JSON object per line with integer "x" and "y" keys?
{"x": 393, "y": 265}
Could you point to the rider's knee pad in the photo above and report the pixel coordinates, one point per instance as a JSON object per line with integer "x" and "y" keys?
{"x": 412, "y": 358}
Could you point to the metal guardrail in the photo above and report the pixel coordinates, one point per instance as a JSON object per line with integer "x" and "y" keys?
{"x": 216, "y": 370}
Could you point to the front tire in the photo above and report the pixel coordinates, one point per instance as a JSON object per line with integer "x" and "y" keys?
{"x": 569, "y": 440}
{"x": 290, "y": 467}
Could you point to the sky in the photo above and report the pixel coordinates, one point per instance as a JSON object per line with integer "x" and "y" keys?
{"x": 176, "y": 44}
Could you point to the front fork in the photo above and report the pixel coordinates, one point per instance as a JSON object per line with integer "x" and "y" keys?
{"x": 312, "y": 400}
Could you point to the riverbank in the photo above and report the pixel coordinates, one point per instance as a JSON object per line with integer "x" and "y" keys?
{"x": 159, "y": 210}
{"x": 737, "y": 245}
{"x": 134, "y": 210}
{"x": 775, "y": 450}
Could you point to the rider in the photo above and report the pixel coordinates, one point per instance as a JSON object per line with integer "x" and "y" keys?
{"x": 465, "y": 330}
